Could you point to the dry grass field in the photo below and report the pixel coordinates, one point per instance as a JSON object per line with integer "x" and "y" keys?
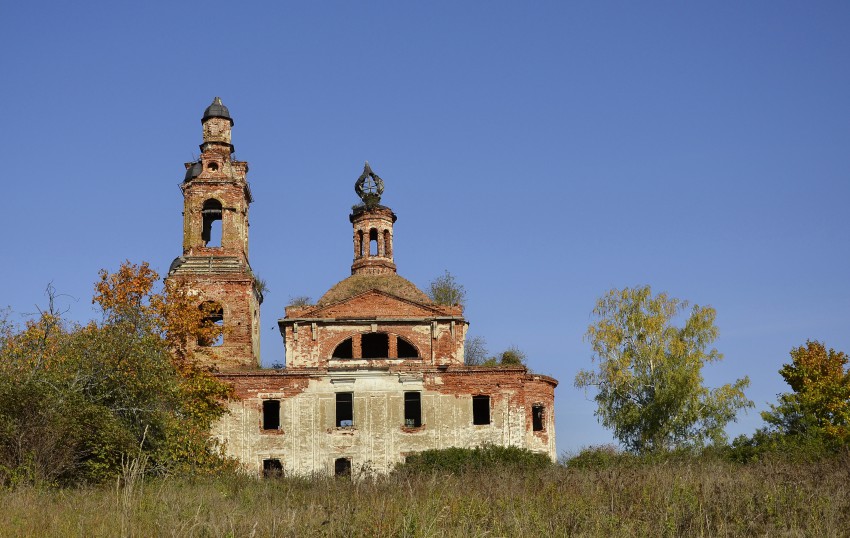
{"x": 702, "y": 498}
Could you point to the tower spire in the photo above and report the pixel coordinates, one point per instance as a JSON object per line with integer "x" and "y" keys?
{"x": 373, "y": 227}
{"x": 369, "y": 187}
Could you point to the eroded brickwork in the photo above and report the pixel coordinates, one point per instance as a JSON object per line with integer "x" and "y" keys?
{"x": 312, "y": 333}
{"x": 214, "y": 264}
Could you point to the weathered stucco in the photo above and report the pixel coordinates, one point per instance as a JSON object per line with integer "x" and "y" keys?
{"x": 309, "y": 441}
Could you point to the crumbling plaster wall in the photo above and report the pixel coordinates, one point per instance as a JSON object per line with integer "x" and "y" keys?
{"x": 308, "y": 440}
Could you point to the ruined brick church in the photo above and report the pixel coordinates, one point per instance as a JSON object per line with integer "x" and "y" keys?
{"x": 374, "y": 370}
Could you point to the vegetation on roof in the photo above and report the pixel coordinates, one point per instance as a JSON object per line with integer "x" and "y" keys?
{"x": 357, "y": 284}
{"x": 300, "y": 300}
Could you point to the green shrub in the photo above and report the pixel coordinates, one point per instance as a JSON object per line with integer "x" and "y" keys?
{"x": 609, "y": 456}
{"x": 764, "y": 445}
{"x": 596, "y": 457}
{"x": 460, "y": 460}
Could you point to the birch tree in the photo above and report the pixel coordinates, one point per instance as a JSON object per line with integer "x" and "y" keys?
{"x": 648, "y": 376}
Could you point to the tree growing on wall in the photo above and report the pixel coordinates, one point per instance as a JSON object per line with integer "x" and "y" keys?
{"x": 446, "y": 290}
{"x": 475, "y": 351}
{"x": 819, "y": 406}
{"x": 476, "y": 354}
{"x": 649, "y": 372}
{"x": 300, "y": 300}
{"x": 513, "y": 356}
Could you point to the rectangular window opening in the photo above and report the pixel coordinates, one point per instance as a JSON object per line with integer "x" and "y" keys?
{"x": 537, "y": 415}
{"x": 272, "y": 468}
{"x": 342, "y": 467}
{"x": 412, "y": 409}
{"x": 271, "y": 414}
{"x": 481, "y": 409}
{"x": 344, "y": 410}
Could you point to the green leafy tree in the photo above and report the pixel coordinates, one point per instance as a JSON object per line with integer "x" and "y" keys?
{"x": 512, "y": 356}
{"x": 76, "y": 399}
{"x": 476, "y": 354}
{"x": 649, "y": 372}
{"x": 446, "y": 290}
{"x": 819, "y": 406}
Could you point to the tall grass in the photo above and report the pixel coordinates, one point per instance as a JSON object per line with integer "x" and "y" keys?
{"x": 700, "y": 497}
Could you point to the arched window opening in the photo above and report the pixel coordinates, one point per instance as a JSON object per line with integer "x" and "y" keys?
{"x": 375, "y": 345}
{"x": 388, "y": 244}
{"x": 406, "y": 350}
{"x": 373, "y": 242}
{"x": 212, "y": 324}
{"x": 360, "y": 243}
{"x": 344, "y": 350}
{"x": 211, "y": 232}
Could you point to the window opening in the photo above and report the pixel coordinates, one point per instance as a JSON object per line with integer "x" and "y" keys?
{"x": 537, "y": 418}
{"x": 373, "y": 242}
{"x": 406, "y": 350}
{"x": 360, "y": 243}
{"x": 211, "y": 232}
{"x": 272, "y": 468}
{"x": 212, "y": 324}
{"x": 388, "y": 244}
{"x": 342, "y": 468}
{"x": 375, "y": 345}
{"x": 481, "y": 410}
{"x": 412, "y": 409}
{"x": 344, "y": 350}
{"x": 271, "y": 414}
{"x": 213, "y": 167}
{"x": 344, "y": 410}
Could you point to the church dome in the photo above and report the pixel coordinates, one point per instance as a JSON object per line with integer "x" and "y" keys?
{"x": 389, "y": 283}
{"x": 217, "y": 110}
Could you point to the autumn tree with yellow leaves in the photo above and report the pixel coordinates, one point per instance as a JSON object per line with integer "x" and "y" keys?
{"x": 819, "y": 406}
{"x": 76, "y": 399}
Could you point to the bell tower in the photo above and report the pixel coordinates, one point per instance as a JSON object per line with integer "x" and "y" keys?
{"x": 373, "y": 227}
{"x": 214, "y": 264}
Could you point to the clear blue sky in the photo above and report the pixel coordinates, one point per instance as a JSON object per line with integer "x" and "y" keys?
{"x": 543, "y": 152}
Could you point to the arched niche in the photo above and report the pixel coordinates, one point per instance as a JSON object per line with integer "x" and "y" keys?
{"x": 211, "y": 231}
{"x": 212, "y": 321}
{"x": 376, "y": 345}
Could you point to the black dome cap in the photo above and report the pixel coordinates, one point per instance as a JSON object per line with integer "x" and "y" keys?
{"x": 217, "y": 110}
{"x": 194, "y": 171}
